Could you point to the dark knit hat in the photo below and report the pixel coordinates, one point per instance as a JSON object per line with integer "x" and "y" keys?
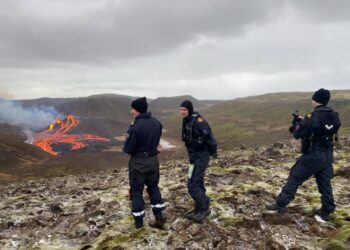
{"x": 322, "y": 96}
{"x": 188, "y": 105}
{"x": 140, "y": 105}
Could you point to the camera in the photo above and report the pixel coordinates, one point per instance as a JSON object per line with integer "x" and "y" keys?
{"x": 296, "y": 114}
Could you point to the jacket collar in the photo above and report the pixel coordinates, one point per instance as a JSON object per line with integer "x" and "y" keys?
{"x": 191, "y": 116}
{"x": 144, "y": 116}
{"x": 323, "y": 108}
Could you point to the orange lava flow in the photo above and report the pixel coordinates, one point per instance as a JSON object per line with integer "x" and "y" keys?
{"x": 59, "y": 133}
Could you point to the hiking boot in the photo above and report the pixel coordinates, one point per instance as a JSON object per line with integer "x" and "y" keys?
{"x": 322, "y": 214}
{"x": 275, "y": 207}
{"x": 138, "y": 223}
{"x": 200, "y": 216}
{"x": 190, "y": 214}
{"x": 160, "y": 221}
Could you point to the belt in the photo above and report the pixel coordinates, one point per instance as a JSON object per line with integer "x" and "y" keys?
{"x": 145, "y": 154}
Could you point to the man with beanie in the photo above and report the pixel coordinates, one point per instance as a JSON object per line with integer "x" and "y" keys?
{"x": 318, "y": 130}
{"x": 201, "y": 144}
{"x": 141, "y": 144}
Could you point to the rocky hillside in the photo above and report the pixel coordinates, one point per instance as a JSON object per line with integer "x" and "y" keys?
{"x": 92, "y": 211}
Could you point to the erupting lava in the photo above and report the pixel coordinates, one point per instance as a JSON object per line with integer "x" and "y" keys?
{"x": 58, "y": 133}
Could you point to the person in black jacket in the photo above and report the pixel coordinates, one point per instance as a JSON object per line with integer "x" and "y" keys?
{"x": 201, "y": 144}
{"x": 317, "y": 131}
{"x": 141, "y": 144}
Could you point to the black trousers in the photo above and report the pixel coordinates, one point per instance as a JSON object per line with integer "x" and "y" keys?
{"x": 317, "y": 163}
{"x": 195, "y": 183}
{"x": 145, "y": 172}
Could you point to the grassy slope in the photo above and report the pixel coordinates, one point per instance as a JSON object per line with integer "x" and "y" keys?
{"x": 260, "y": 119}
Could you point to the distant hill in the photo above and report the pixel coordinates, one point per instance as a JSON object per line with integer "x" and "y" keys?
{"x": 113, "y": 107}
{"x": 165, "y": 104}
{"x": 213, "y": 102}
{"x": 261, "y": 119}
{"x": 109, "y": 114}
{"x": 254, "y": 121}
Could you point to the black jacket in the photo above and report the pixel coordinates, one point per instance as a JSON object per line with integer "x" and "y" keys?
{"x": 143, "y": 135}
{"x": 197, "y": 134}
{"x": 318, "y": 128}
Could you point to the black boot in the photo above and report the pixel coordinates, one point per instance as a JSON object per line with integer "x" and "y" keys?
{"x": 138, "y": 222}
{"x": 275, "y": 207}
{"x": 200, "y": 216}
{"x": 321, "y": 213}
{"x": 160, "y": 221}
{"x": 190, "y": 214}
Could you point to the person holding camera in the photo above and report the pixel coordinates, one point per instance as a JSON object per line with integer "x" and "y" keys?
{"x": 318, "y": 131}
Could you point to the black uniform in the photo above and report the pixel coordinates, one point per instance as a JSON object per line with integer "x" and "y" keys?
{"x": 317, "y": 132}
{"x": 142, "y": 141}
{"x": 200, "y": 143}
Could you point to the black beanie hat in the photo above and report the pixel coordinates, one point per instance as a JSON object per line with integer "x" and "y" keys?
{"x": 187, "y": 104}
{"x": 140, "y": 105}
{"x": 322, "y": 96}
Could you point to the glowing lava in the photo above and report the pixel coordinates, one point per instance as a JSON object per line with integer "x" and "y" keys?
{"x": 58, "y": 133}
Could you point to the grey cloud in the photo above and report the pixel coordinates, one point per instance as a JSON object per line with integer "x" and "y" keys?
{"x": 210, "y": 49}
{"x": 118, "y": 29}
{"x": 323, "y": 10}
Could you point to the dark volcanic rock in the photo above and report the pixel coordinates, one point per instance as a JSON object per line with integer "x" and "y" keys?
{"x": 56, "y": 207}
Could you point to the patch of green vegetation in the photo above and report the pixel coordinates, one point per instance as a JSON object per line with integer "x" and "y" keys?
{"x": 229, "y": 221}
{"x": 341, "y": 217}
{"x": 335, "y": 245}
{"x": 314, "y": 200}
{"x": 341, "y": 239}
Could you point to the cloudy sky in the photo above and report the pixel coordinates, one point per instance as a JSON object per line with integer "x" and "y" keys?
{"x": 212, "y": 49}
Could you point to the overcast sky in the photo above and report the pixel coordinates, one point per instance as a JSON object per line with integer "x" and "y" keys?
{"x": 212, "y": 49}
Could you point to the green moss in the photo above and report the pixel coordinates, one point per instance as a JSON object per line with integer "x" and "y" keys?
{"x": 245, "y": 187}
{"x": 344, "y": 234}
{"x": 339, "y": 241}
{"x": 314, "y": 201}
{"x": 218, "y": 170}
{"x": 341, "y": 217}
{"x": 120, "y": 240}
{"x": 335, "y": 245}
{"x": 229, "y": 221}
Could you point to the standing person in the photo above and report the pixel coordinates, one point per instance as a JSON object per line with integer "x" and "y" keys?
{"x": 317, "y": 130}
{"x": 141, "y": 144}
{"x": 201, "y": 144}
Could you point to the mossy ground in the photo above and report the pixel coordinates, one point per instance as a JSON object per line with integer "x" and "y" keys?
{"x": 239, "y": 184}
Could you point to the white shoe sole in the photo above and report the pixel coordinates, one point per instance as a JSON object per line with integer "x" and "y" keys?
{"x": 319, "y": 219}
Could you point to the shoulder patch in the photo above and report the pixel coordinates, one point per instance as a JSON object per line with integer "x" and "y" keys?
{"x": 132, "y": 123}
{"x": 200, "y": 119}
{"x": 309, "y": 115}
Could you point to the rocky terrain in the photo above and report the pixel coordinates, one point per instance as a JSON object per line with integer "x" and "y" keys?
{"x": 92, "y": 210}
